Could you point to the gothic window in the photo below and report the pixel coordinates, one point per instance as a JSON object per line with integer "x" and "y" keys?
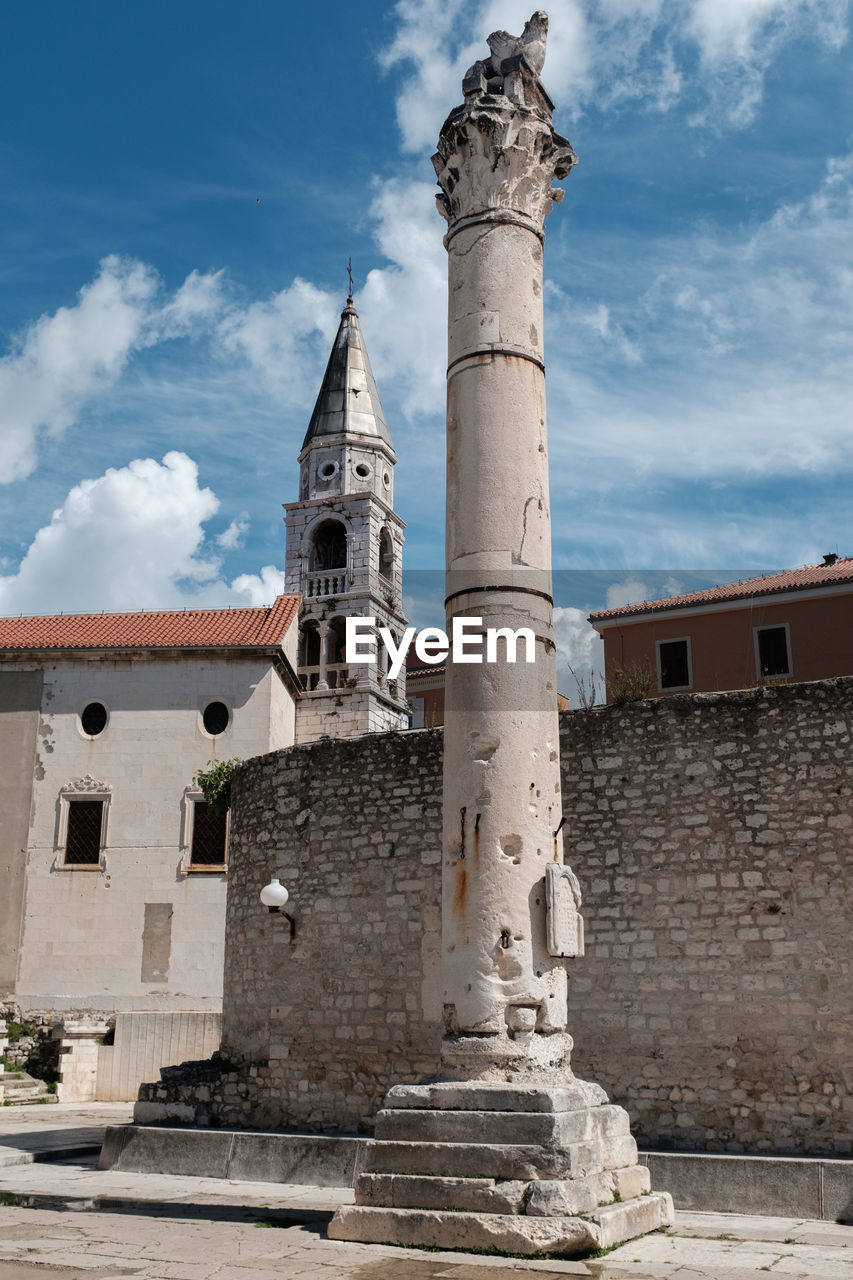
{"x": 386, "y": 554}
{"x": 329, "y": 547}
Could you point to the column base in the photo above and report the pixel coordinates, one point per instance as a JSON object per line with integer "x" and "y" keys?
{"x": 504, "y": 1057}
{"x": 522, "y": 1166}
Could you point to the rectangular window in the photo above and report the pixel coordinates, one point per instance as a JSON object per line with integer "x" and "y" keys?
{"x": 83, "y": 838}
{"x": 209, "y": 838}
{"x": 674, "y": 664}
{"x": 773, "y": 651}
{"x": 416, "y": 715}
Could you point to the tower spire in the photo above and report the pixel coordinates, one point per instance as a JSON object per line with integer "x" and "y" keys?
{"x": 348, "y": 402}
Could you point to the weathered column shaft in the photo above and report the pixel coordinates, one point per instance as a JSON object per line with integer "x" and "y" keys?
{"x": 497, "y": 158}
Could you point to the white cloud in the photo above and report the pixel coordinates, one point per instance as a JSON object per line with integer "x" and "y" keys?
{"x": 747, "y": 353}
{"x": 628, "y": 591}
{"x": 259, "y": 588}
{"x": 413, "y": 287}
{"x": 133, "y": 538}
{"x": 285, "y": 338}
{"x": 235, "y": 535}
{"x": 64, "y": 360}
{"x": 609, "y": 52}
{"x": 580, "y": 655}
{"x": 196, "y": 303}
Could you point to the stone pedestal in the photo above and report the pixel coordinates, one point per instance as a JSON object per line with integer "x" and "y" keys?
{"x": 509, "y": 1166}
{"x": 78, "y": 1058}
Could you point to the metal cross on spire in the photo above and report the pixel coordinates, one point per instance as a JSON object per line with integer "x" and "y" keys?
{"x": 349, "y": 274}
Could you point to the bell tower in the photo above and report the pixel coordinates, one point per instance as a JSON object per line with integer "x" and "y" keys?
{"x": 345, "y": 549}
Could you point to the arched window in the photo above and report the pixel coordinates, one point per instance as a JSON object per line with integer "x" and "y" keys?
{"x": 329, "y": 546}
{"x": 386, "y": 554}
{"x": 309, "y": 646}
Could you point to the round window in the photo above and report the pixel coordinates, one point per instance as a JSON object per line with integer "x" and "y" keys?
{"x": 386, "y": 479}
{"x": 362, "y": 470}
{"x": 328, "y": 469}
{"x": 94, "y": 719}
{"x": 215, "y": 718}
{"x": 304, "y": 481}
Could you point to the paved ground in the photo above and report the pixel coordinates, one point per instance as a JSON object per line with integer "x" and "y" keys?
{"x": 63, "y": 1220}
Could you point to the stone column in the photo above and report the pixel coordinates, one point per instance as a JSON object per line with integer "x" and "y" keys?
{"x": 504, "y": 987}
{"x": 508, "y": 1150}
{"x": 323, "y": 630}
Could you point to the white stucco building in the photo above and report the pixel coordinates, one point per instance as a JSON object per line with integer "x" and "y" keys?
{"x": 112, "y": 869}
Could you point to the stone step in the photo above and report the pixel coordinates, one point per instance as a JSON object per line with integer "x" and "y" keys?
{"x": 407, "y": 1191}
{"x": 553, "y": 1198}
{"x": 431, "y": 1228}
{"x": 630, "y": 1218}
{"x": 485, "y": 1096}
{"x": 503, "y": 1161}
{"x": 556, "y": 1198}
{"x": 507, "y": 1233}
{"x": 21, "y": 1089}
{"x": 560, "y": 1128}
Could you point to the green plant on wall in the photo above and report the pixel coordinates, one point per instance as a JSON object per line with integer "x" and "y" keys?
{"x": 629, "y": 684}
{"x": 215, "y": 785}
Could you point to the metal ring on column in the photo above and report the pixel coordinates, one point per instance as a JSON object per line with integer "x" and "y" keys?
{"x": 497, "y": 217}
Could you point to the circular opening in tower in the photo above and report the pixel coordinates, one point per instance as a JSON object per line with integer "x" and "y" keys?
{"x": 328, "y": 470}
{"x": 386, "y": 479}
{"x": 94, "y": 719}
{"x": 362, "y": 470}
{"x": 215, "y": 718}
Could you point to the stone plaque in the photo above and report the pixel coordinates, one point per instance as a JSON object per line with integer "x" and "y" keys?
{"x": 563, "y": 920}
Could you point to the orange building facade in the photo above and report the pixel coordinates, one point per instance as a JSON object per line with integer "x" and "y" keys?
{"x": 790, "y": 626}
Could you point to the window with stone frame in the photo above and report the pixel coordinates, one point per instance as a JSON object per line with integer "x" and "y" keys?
{"x": 773, "y": 651}
{"x": 208, "y": 837}
{"x": 83, "y": 832}
{"x": 675, "y": 665}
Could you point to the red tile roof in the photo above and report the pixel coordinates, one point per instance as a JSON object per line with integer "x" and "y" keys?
{"x": 173, "y": 629}
{"x": 415, "y": 673}
{"x": 810, "y": 576}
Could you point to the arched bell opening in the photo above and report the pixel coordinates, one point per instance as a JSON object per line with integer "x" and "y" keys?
{"x": 326, "y": 566}
{"x": 386, "y": 555}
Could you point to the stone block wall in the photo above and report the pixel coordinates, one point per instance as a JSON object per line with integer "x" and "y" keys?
{"x": 353, "y": 829}
{"x": 712, "y": 836}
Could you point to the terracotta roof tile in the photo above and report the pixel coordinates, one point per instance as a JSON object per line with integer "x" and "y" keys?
{"x": 812, "y": 575}
{"x": 172, "y": 629}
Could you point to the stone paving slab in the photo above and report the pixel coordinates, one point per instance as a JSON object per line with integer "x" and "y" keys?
{"x": 164, "y": 1227}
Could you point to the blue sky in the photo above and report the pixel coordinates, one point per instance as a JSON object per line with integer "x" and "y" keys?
{"x": 181, "y": 186}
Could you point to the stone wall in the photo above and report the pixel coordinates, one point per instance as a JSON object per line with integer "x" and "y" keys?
{"x": 712, "y": 836}
{"x": 353, "y": 829}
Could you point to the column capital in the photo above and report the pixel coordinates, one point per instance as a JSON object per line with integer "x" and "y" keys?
{"x": 499, "y": 150}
